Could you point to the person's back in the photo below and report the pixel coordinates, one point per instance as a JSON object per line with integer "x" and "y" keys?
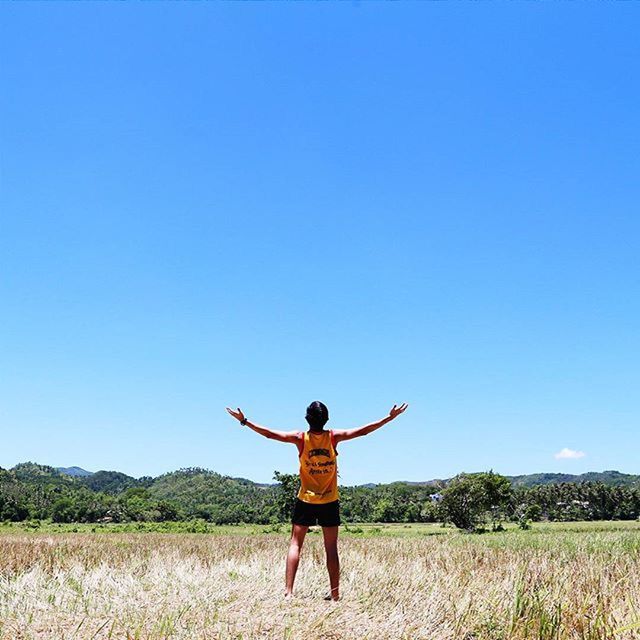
{"x": 318, "y": 468}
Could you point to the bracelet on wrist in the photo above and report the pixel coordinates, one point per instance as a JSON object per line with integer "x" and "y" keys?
{"x": 243, "y": 422}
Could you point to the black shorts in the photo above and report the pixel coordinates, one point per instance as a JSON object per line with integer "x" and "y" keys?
{"x": 308, "y": 514}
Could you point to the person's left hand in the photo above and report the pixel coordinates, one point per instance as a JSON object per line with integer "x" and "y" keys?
{"x": 238, "y": 415}
{"x": 396, "y": 411}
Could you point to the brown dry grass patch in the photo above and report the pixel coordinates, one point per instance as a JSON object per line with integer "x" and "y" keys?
{"x": 158, "y": 586}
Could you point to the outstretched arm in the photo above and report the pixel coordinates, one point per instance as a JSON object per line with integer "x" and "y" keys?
{"x": 349, "y": 434}
{"x": 281, "y": 436}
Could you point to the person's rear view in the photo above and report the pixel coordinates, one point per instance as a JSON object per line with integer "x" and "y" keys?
{"x": 318, "y": 471}
{"x": 318, "y": 500}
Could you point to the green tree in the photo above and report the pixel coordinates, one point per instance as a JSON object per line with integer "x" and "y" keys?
{"x": 63, "y": 510}
{"x": 533, "y": 512}
{"x": 383, "y": 511}
{"x": 286, "y": 493}
{"x": 471, "y": 500}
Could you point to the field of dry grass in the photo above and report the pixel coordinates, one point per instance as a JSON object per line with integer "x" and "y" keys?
{"x": 562, "y": 582}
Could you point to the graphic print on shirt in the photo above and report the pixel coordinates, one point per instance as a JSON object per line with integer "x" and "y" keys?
{"x": 319, "y": 452}
{"x": 318, "y": 469}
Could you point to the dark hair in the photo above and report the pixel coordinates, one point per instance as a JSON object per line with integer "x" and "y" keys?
{"x": 317, "y": 415}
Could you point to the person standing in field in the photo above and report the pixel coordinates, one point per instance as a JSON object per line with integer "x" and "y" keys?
{"x": 318, "y": 500}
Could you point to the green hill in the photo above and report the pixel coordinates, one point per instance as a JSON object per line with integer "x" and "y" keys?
{"x": 209, "y": 495}
{"x": 31, "y": 491}
{"x": 610, "y": 478}
{"x": 113, "y": 482}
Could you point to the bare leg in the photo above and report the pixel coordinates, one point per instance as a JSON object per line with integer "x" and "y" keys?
{"x": 298, "y": 532}
{"x": 330, "y": 535}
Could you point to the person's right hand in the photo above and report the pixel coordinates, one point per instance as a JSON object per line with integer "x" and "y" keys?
{"x": 238, "y": 415}
{"x": 396, "y": 411}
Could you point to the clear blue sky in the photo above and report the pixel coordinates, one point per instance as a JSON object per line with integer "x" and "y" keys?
{"x": 261, "y": 205}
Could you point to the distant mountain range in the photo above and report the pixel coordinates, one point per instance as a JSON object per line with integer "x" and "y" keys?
{"x": 74, "y": 471}
{"x": 31, "y": 491}
{"x": 611, "y": 478}
{"x": 114, "y": 480}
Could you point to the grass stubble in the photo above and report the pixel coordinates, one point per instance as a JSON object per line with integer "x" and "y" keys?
{"x": 549, "y": 584}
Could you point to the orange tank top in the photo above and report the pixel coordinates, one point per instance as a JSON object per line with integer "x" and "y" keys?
{"x": 318, "y": 469}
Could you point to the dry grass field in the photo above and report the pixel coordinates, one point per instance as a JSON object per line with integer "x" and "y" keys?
{"x": 554, "y": 582}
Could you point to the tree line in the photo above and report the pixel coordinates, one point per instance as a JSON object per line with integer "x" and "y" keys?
{"x": 469, "y": 501}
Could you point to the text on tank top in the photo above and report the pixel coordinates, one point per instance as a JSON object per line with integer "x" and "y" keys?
{"x": 318, "y": 469}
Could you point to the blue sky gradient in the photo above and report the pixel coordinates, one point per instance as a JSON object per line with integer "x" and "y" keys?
{"x": 261, "y": 205}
